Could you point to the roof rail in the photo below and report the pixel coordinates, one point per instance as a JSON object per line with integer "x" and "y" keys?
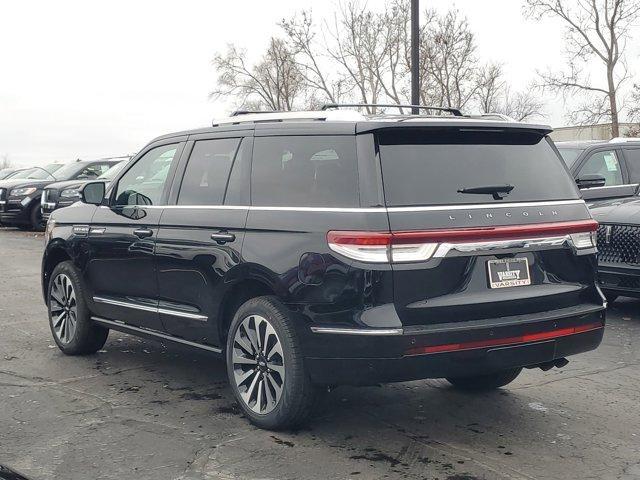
{"x": 496, "y": 116}
{"x": 624, "y": 139}
{"x": 454, "y": 111}
{"x": 248, "y": 112}
{"x": 271, "y": 117}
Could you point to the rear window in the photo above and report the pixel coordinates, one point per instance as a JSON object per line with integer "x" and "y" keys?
{"x": 305, "y": 171}
{"x": 429, "y": 167}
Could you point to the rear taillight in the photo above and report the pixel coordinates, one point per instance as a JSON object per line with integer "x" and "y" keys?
{"x": 419, "y": 246}
{"x": 363, "y": 246}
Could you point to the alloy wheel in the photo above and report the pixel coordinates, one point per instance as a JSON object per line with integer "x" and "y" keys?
{"x": 258, "y": 364}
{"x": 63, "y": 308}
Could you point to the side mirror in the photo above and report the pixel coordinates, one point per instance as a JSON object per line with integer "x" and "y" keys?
{"x": 590, "y": 181}
{"x": 93, "y": 193}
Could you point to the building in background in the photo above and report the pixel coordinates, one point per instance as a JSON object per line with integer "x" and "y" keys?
{"x": 593, "y": 132}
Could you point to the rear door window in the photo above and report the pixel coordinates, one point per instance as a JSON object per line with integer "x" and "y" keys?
{"x": 632, "y": 156}
{"x": 305, "y": 171}
{"x": 431, "y": 166}
{"x": 604, "y": 163}
{"x": 207, "y": 173}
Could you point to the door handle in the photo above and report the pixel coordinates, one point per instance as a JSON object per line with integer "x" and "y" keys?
{"x": 223, "y": 237}
{"x": 143, "y": 232}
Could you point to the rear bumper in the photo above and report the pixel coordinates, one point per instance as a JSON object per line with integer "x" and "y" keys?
{"x": 620, "y": 280}
{"x": 456, "y": 350}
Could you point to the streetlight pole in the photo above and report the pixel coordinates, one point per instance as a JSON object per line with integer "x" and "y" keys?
{"x": 415, "y": 55}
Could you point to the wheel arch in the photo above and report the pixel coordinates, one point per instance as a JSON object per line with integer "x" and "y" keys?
{"x": 242, "y": 290}
{"x": 55, "y": 253}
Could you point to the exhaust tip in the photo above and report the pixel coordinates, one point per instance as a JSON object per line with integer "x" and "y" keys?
{"x": 558, "y": 363}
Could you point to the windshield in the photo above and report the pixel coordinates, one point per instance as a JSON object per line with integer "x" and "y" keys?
{"x": 5, "y": 172}
{"x": 22, "y": 173}
{"x": 39, "y": 173}
{"x": 36, "y": 173}
{"x": 451, "y": 166}
{"x": 570, "y": 155}
{"x": 68, "y": 171}
{"x": 53, "y": 167}
{"x": 113, "y": 171}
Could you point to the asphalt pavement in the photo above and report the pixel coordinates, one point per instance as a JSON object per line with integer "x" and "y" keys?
{"x": 140, "y": 410}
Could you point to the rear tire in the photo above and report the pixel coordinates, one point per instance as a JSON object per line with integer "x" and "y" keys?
{"x": 485, "y": 382}
{"x": 265, "y": 365}
{"x": 69, "y": 317}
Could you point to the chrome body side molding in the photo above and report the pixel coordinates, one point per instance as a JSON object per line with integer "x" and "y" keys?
{"x": 358, "y": 331}
{"x": 150, "y": 308}
{"x": 123, "y": 327}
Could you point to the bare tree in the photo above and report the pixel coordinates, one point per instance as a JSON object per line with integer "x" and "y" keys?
{"x": 494, "y": 95}
{"x": 364, "y": 56}
{"x": 634, "y": 112}
{"x": 5, "y": 161}
{"x": 491, "y": 85}
{"x": 357, "y": 50}
{"x": 274, "y": 83}
{"x": 450, "y": 57}
{"x": 311, "y": 60}
{"x": 596, "y": 30}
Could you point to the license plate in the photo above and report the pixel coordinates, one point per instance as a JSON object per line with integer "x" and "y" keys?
{"x": 508, "y": 272}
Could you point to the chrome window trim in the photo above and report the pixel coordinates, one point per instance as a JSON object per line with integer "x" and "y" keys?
{"x": 614, "y": 186}
{"x": 148, "y": 308}
{"x": 481, "y": 206}
{"x": 125, "y": 327}
{"x": 438, "y": 208}
{"x": 358, "y": 331}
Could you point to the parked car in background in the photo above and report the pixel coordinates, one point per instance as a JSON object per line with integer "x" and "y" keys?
{"x": 618, "y": 247}
{"x": 20, "y": 197}
{"x": 62, "y": 194}
{"x": 32, "y": 173}
{"x": 315, "y": 249}
{"x": 604, "y": 170}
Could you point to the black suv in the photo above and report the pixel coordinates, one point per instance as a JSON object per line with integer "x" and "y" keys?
{"x": 66, "y": 193}
{"x": 20, "y": 197}
{"x": 315, "y": 249}
{"x": 604, "y": 170}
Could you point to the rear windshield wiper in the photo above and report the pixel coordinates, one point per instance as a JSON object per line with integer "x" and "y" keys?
{"x": 498, "y": 191}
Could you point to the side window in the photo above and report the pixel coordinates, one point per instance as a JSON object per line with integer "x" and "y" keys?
{"x": 633, "y": 163}
{"x": 205, "y": 178}
{"x": 604, "y": 163}
{"x": 145, "y": 180}
{"x": 299, "y": 171}
{"x": 93, "y": 171}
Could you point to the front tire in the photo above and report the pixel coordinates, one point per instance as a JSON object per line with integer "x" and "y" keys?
{"x": 265, "y": 366}
{"x": 485, "y": 382}
{"x": 69, "y": 318}
{"x": 35, "y": 218}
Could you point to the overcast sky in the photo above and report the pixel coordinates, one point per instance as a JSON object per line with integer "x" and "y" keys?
{"x": 91, "y": 79}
